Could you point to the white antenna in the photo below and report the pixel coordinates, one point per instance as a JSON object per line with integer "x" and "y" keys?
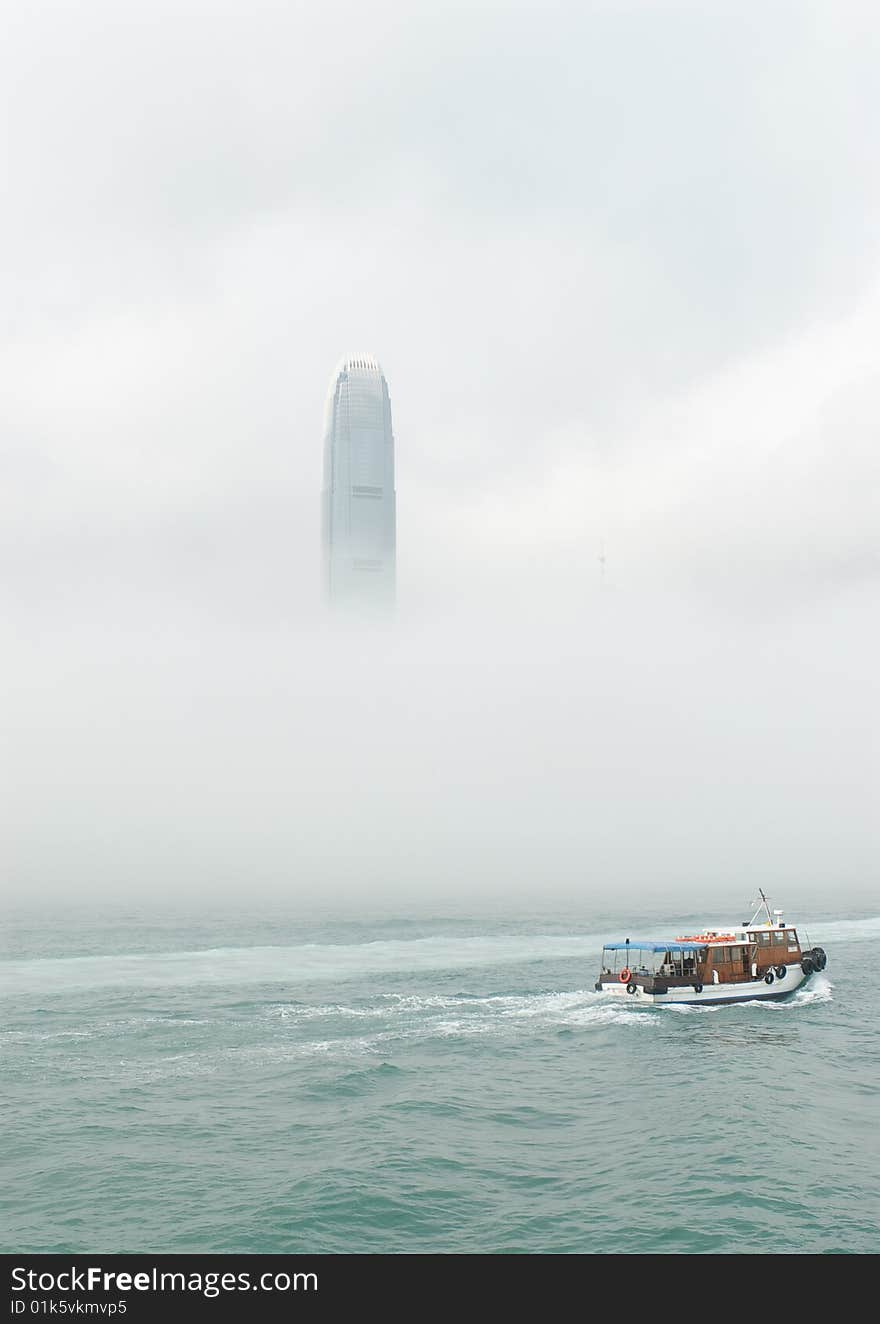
{"x": 763, "y": 905}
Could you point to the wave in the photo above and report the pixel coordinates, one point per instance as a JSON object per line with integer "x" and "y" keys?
{"x": 423, "y": 1019}
{"x": 378, "y": 1024}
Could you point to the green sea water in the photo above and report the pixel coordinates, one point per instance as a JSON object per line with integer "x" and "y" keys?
{"x": 270, "y": 1081}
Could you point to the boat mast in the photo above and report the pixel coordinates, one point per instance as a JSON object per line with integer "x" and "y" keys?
{"x": 766, "y": 906}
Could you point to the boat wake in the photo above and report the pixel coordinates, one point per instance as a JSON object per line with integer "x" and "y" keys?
{"x": 469, "y": 1014}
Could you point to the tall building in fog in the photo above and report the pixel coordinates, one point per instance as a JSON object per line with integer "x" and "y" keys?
{"x": 358, "y": 516}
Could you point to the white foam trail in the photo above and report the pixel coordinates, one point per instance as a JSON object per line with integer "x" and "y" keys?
{"x": 328, "y": 961}
{"x": 424, "y": 1016}
{"x": 312, "y": 961}
{"x": 819, "y": 989}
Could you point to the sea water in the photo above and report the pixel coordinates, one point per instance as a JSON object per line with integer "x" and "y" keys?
{"x": 273, "y": 1080}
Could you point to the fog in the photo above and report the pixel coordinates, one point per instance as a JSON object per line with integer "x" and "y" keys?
{"x": 619, "y": 262}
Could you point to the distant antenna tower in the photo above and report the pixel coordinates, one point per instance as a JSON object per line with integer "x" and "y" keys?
{"x": 602, "y": 562}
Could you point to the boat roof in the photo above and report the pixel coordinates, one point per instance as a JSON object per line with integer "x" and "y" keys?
{"x": 688, "y": 945}
{"x": 652, "y": 946}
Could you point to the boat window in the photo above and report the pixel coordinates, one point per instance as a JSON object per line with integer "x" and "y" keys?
{"x": 764, "y": 937}
{"x": 792, "y": 940}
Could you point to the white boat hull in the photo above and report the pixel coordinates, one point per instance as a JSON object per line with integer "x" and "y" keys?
{"x": 712, "y": 994}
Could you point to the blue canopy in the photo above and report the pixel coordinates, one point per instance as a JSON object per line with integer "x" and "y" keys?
{"x": 654, "y": 946}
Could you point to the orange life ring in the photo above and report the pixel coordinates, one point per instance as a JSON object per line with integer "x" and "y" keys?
{"x": 624, "y": 975}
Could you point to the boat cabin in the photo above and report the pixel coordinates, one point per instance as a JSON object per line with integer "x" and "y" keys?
{"x": 734, "y": 956}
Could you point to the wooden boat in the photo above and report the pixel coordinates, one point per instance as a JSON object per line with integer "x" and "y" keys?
{"x": 761, "y": 959}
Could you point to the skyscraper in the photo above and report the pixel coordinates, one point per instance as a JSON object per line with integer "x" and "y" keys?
{"x": 359, "y": 518}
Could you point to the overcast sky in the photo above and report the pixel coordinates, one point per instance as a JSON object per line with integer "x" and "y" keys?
{"x": 621, "y": 265}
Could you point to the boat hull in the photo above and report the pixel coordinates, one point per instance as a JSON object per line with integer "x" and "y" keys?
{"x": 754, "y": 990}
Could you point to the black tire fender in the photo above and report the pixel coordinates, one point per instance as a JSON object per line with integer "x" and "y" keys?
{"x": 698, "y": 988}
{"x": 769, "y": 977}
{"x": 807, "y": 965}
{"x": 631, "y": 986}
{"x": 780, "y": 972}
